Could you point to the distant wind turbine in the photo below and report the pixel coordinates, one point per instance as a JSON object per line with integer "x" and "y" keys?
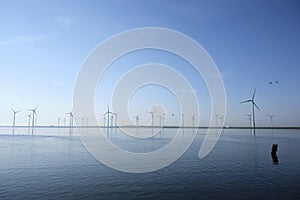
{"x": 253, "y": 105}
{"x": 29, "y": 119}
{"x": 152, "y": 119}
{"x": 65, "y": 120}
{"x": 137, "y": 120}
{"x": 71, "y": 121}
{"x": 116, "y": 118}
{"x": 58, "y": 121}
{"x": 161, "y": 119}
{"x": 33, "y": 115}
{"x": 104, "y": 120}
{"x": 108, "y": 115}
{"x": 216, "y": 117}
{"x": 14, "y": 120}
{"x": 152, "y": 116}
{"x": 71, "y": 118}
{"x": 193, "y": 120}
{"x": 271, "y": 119}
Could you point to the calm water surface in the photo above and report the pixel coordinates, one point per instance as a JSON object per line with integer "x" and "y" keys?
{"x": 239, "y": 167}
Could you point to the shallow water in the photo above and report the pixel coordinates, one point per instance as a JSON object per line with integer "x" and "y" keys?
{"x": 57, "y": 166}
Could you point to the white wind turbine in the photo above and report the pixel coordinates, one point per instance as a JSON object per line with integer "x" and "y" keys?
{"x": 152, "y": 119}
{"x": 108, "y": 116}
{"x": 271, "y": 119}
{"x": 58, "y": 121}
{"x": 193, "y": 120}
{"x": 29, "y": 119}
{"x": 253, "y": 105}
{"x": 216, "y": 117}
{"x": 116, "y": 118}
{"x": 71, "y": 121}
{"x": 71, "y": 118}
{"x": 33, "y": 115}
{"x": 14, "y": 120}
{"x": 152, "y": 116}
{"x": 137, "y": 120}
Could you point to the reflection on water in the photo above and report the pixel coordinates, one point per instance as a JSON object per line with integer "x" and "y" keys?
{"x": 55, "y": 165}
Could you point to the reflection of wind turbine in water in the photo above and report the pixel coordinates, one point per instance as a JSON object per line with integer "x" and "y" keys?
{"x": 29, "y": 119}
{"x": 14, "y": 120}
{"x": 33, "y": 115}
{"x": 253, "y": 105}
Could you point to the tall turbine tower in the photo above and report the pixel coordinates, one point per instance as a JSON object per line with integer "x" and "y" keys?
{"x": 14, "y": 120}
{"x": 253, "y": 105}
{"x": 33, "y": 115}
{"x": 152, "y": 119}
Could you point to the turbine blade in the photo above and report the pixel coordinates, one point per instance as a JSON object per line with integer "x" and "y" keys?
{"x": 256, "y": 106}
{"x": 253, "y": 94}
{"x": 36, "y": 107}
{"x": 246, "y": 101}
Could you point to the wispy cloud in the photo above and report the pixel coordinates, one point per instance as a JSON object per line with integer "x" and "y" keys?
{"x": 63, "y": 20}
{"x": 21, "y": 39}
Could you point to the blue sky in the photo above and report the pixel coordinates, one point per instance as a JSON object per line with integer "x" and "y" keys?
{"x": 44, "y": 43}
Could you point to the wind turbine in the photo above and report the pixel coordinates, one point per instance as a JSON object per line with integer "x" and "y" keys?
{"x": 182, "y": 117}
{"x": 216, "y": 117}
{"x": 82, "y": 122}
{"x": 104, "y": 120}
{"x": 29, "y": 119}
{"x": 193, "y": 119}
{"x": 137, "y": 120}
{"x": 108, "y": 115}
{"x": 14, "y": 120}
{"x": 253, "y": 105}
{"x": 152, "y": 118}
{"x": 33, "y": 115}
{"x": 71, "y": 121}
{"x": 58, "y": 121}
{"x": 271, "y": 118}
{"x": 116, "y": 118}
{"x": 71, "y": 118}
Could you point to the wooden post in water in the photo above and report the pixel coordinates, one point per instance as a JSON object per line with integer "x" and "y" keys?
{"x": 274, "y": 149}
{"x": 273, "y": 153}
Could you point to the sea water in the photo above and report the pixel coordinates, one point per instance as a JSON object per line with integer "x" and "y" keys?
{"x": 53, "y": 164}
